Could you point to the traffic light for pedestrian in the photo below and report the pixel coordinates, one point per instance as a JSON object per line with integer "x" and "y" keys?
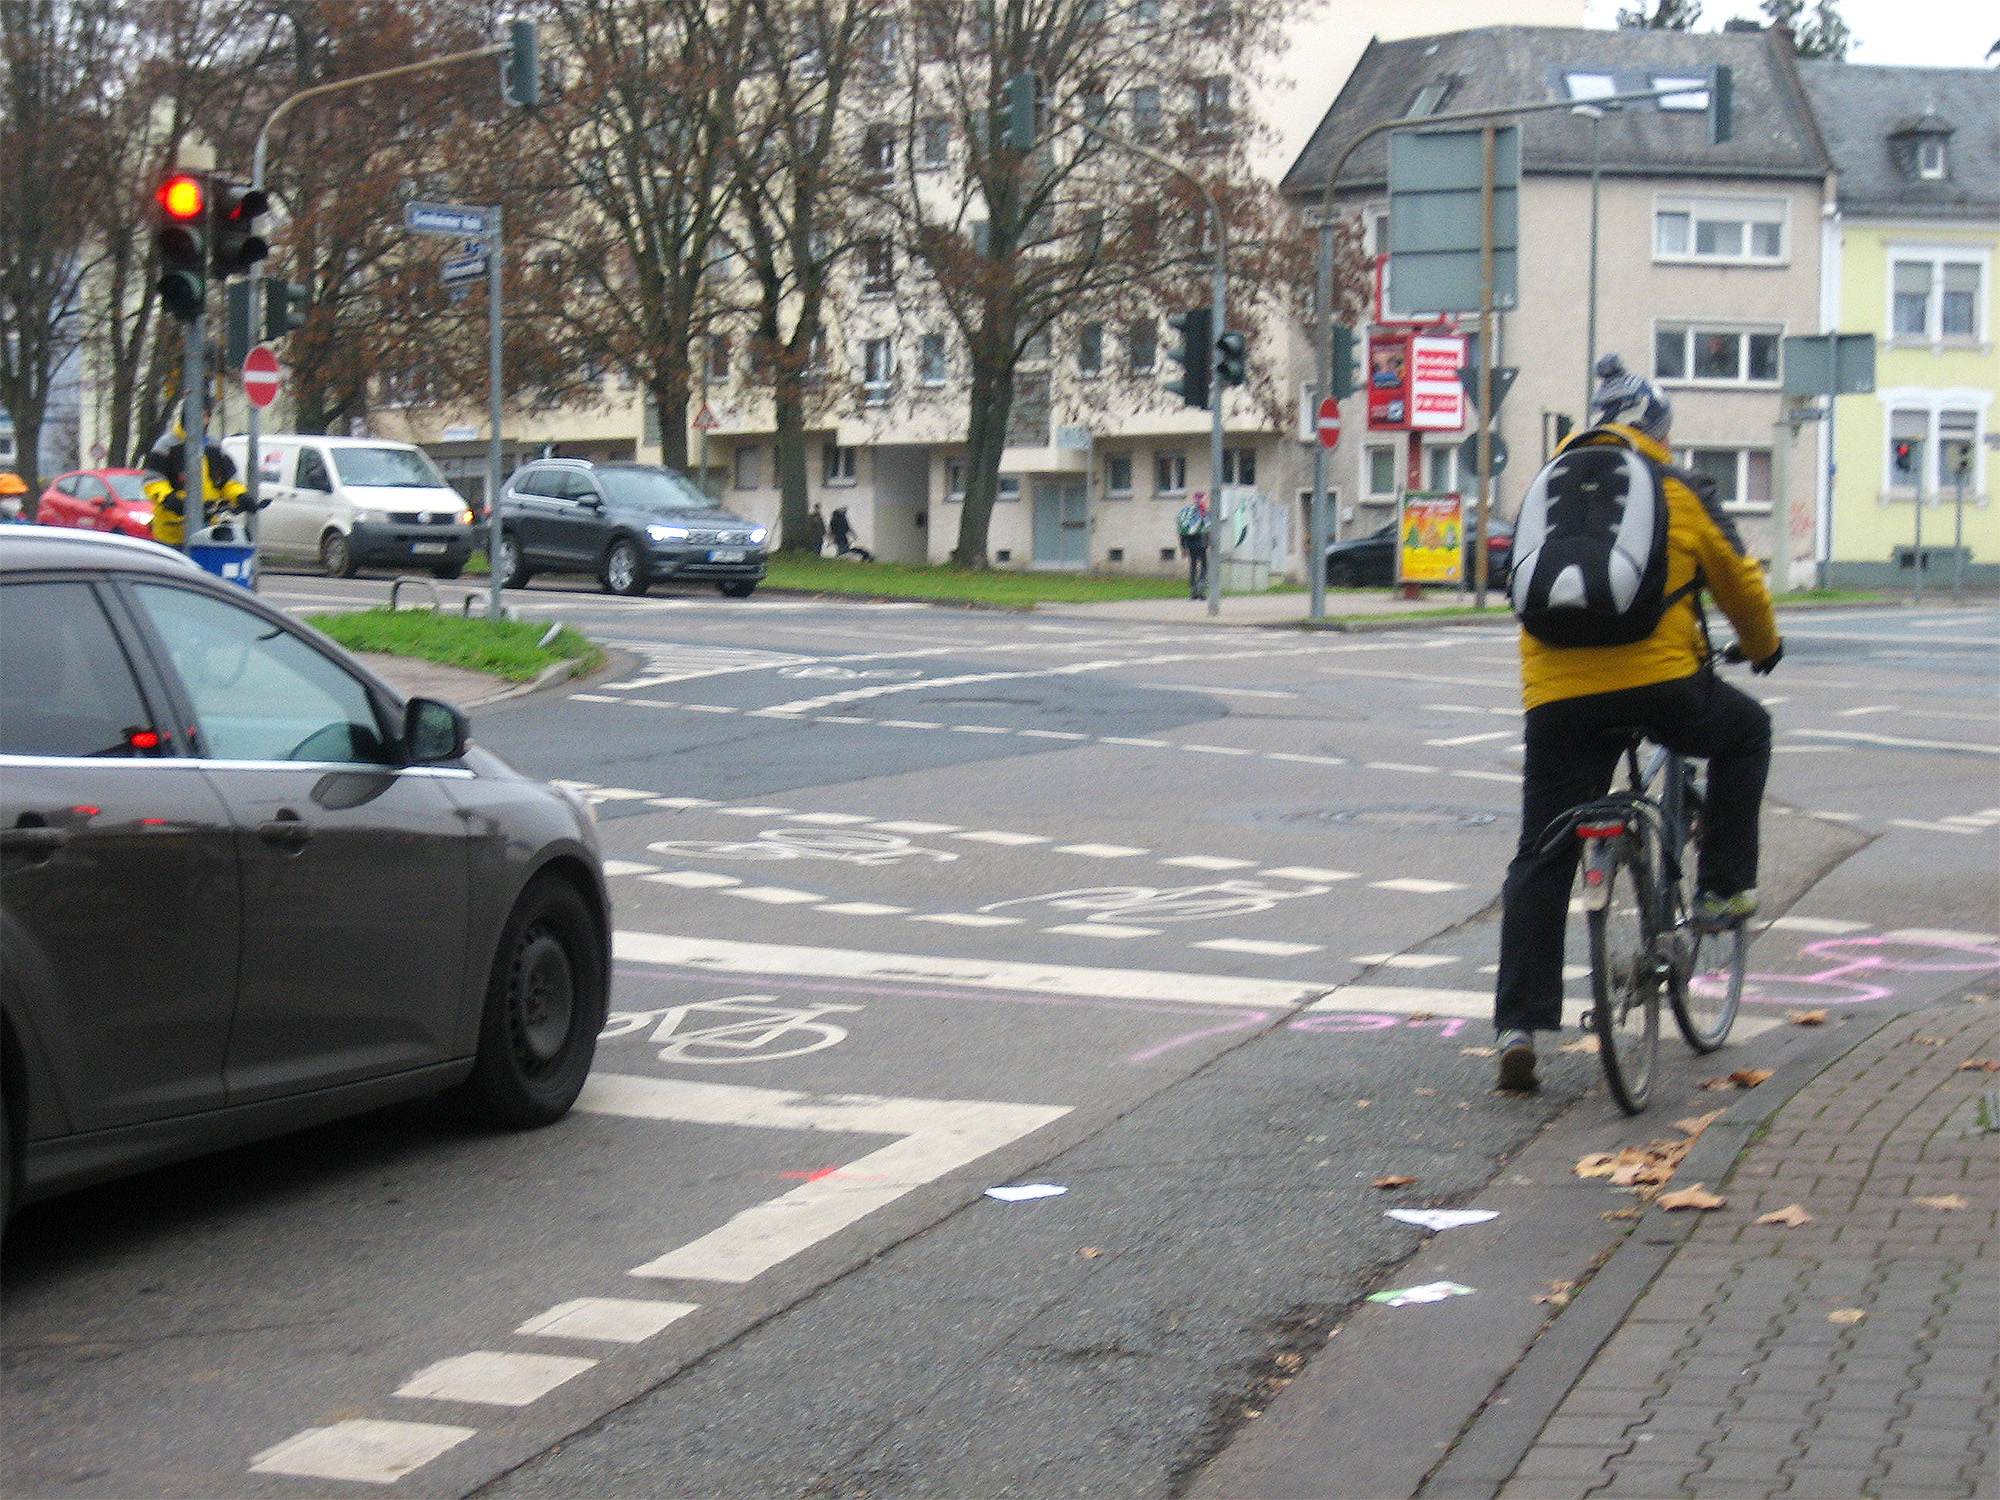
{"x": 1018, "y": 110}
{"x": 1195, "y": 355}
{"x": 520, "y": 67}
{"x": 1346, "y": 374}
{"x": 1722, "y": 106}
{"x": 1906, "y": 457}
{"x": 1232, "y": 359}
{"x": 181, "y": 237}
{"x": 284, "y": 307}
{"x": 233, "y": 214}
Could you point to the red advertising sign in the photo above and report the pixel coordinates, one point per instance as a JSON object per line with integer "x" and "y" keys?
{"x": 1437, "y": 399}
{"x": 1388, "y": 382}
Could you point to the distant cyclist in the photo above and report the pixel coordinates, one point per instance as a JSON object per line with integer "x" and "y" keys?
{"x": 1610, "y": 551}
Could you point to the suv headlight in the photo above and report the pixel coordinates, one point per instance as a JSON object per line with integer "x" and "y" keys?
{"x": 367, "y": 517}
{"x": 757, "y": 535}
{"x": 667, "y": 533}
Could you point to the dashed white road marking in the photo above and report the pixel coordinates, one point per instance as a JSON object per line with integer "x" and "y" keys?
{"x": 1101, "y": 851}
{"x": 1209, "y": 862}
{"x": 1312, "y": 873}
{"x": 1046, "y": 734}
{"x": 1404, "y": 960}
{"x": 1944, "y": 936}
{"x": 1866, "y": 708}
{"x": 1120, "y": 739}
{"x": 1895, "y": 742}
{"x": 1261, "y": 947}
{"x": 360, "y": 1449}
{"x": 968, "y": 919}
{"x": 1000, "y": 836}
{"x": 830, "y": 819}
{"x": 693, "y": 880}
{"x": 909, "y": 724}
{"x": 906, "y": 826}
{"x": 1937, "y": 827}
{"x": 751, "y": 812}
{"x": 1470, "y": 739}
{"x": 1103, "y": 930}
{"x": 492, "y": 1377}
{"x": 862, "y": 909}
{"x": 773, "y": 895}
{"x": 1396, "y": 765}
{"x": 627, "y": 867}
{"x": 1216, "y": 749}
{"x": 1418, "y": 887}
{"x": 1822, "y": 925}
{"x": 615, "y": 1320}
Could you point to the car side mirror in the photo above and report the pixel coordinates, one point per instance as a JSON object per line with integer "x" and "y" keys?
{"x": 433, "y": 731}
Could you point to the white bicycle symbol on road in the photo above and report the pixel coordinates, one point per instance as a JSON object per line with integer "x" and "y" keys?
{"x": 852, "y": 847}
{"x": 1187, "y": 903}
{"x": 750, "y": 1028}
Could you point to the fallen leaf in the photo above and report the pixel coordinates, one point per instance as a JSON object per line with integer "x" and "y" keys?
{"x": 1476, "y": 1051}
{"x": 1697, "y": 1196}
{"x": 1694, "y": 1125}
{"x": 1846, "y": 1315}
{"x": 1742, "y": 1078}
{"x": 1628, "y": 1212}
{"x": 1951, "y": 1201}
{"x": 1806, "y": 1017}
{"x": 1597, "y": 1164}
{"x": 1980, "y": 999}
{"x": 1557, "y": 1295}
{"x": 1392, "y": 1182}
{"x": 1793, "y": 1214}
{"x": 1428, "y": 1093}
{"x": 1090, "y": 1252}
{"x": 1363, "y": 1103}
{"x": 1979, "y": 1065}
{"x": 1290, "y": 1360}
{"x": 1928, "y": 1041}
{"x": 1585, "y": 1043}
{"x": 1421, "y": 1015}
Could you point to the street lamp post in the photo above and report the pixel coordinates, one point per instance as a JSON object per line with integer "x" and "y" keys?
{"x": 1596, "y": 117}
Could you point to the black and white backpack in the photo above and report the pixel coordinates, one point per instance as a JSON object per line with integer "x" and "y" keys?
{"x": 1590, "y": 548}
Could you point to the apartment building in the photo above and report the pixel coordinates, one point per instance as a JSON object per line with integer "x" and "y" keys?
{"x": 1708, "y": 254}
{"x": 1910, "y": 248}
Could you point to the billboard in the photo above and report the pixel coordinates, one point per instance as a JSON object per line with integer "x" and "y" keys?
{"x": 1430, "y": 539}
{"x": 1388, "y": 382}
{"x": 1437, "y": 396}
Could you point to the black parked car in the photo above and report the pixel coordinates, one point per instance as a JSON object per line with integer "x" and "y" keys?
{"x": 249, "y": 888}
{"x": 1365, "y": 561}
{"x": 633, "y": 525}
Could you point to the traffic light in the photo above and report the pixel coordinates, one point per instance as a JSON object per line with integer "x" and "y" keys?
{"x": 1346, "y": 373}
{"x": 284, "y": 307}
{"x": 520, "y": 67}
{"x": 1906, "y": 457}
{"x": 1722, "y": 106}
{"x": 1232, "y": 356}
{"x": 1195, "y": 355}
{"x": 1018, "y": 110}
{"x": 233, "y": 214}
{"x": 181, "y": 237}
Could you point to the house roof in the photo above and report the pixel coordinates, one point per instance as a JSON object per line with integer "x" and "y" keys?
{"x": 1775, "y": 134}
{"x": 1861, "y": 109}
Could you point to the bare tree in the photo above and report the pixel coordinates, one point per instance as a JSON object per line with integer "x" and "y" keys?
{"x": 1820, "y": 34}
{"x": 1660, "y": 15}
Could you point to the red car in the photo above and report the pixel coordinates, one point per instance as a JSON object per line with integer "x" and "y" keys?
{"x": 99, "y": 500}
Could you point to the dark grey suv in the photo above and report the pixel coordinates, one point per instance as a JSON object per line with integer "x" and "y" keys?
{"x": 633, "y": 525}
{"x": 249, "y": 888}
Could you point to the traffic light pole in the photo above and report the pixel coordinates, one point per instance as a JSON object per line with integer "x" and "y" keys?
{"x": 194, "y": 426}
{"x": 495, "y": 610}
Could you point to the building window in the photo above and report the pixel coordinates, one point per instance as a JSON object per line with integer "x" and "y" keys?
{"x": 1736, "y": 356}
{"x": 1936, "y": 298}
{"x": 718, "y": 356}
{"x": 1008, "y": 487}
{"x": 1381, "y": 472}
{"x": 836, "y": 464}
{"x": 1584, "y": 85}
{"x": 1430, "y": 98}
{"x": 878, "y": 150}
{"x": 1937, "y": 446}
{"x": 1441, "y": 469}
{"x": 934, "y": 142}
{"x": 1145, "y": 114}
{"x": 1211, "y": 106}
{"x": 878, "y": 267}
{"x": 1239, "y": 465}
{"x": 931, "y": 362}
{"x": 1375, "y": 228}
{"x": 1169, "y": 474}
{"x": 878, "y": 370}
{"x": 745, "y": 475}
{"x": 1719, "y": 229}
{"x": 1142, "y": 346}
{"x": 954, "y": 480}
{"x": 1931, "y": 159}
{"x": 1742, "y": 476}
{"x": 1090, "y": 349}
{"x": 1037, "y": 347}
{"x": 1695, "y": 96}
{"x": 1118, "y": 476}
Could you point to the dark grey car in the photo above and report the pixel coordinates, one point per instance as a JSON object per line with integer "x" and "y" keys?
{"x": 248, "y": 888}
{"x": 633, "y": 525}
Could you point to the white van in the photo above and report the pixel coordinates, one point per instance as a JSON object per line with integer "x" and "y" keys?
{"x": 353, "y": 503}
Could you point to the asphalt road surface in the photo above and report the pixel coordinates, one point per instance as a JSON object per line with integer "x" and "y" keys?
{"x": 1194, "y": 924}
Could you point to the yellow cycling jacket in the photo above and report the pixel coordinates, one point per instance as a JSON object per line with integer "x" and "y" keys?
{"x": 1695, "y": 545}
{"x": 169, "y": 528}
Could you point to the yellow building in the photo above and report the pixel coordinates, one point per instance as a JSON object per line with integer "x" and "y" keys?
{"x": 1909, "y": 257}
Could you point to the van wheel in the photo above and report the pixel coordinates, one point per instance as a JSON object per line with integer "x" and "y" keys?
{"x": 513, "y": 574}
{"x": 336, "y": 558}
{"x": 1340, "y": 574}
{"x": 624, "y": 569}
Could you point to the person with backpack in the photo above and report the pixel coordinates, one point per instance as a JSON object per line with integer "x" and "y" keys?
{"x": 842, "y": 532}
{"x": 1192, "y": 526}
{"x": 1612, "y": 545}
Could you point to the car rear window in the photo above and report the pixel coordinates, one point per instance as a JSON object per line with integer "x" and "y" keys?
{"x": 387, "y": 468}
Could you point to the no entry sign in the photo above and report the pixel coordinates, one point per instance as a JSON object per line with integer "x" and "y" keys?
{"x": 260, "y": 376}
{"x": 1329, "y": 423}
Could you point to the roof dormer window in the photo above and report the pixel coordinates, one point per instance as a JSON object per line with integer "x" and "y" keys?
{"x": 1931, "y": 158}
{"x": 1921, "y": 147}
{"x": 1431, "y": 96}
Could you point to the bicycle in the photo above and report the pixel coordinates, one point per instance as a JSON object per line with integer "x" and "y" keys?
{"x": 1641, "y": 847}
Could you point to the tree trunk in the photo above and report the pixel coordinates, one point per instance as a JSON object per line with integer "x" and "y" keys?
{"x": 670, "y": 401}
{"x": 27, "y": 409}
{"x": 986, "y": 439}
{"x": 794, "y": 495}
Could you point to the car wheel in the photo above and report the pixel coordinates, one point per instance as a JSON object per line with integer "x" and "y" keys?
{"x": 336, "y": 557}
{"x": 448, "y": 570}
{"x": 513, "y": 575}
{"x": 741, "y": 589}
{"x": 1339, "y": 574}
{"x": 544, "y": 1008}
{"x": 624, "y": 569}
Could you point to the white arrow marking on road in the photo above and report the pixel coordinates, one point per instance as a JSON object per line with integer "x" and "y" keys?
{"x": 938, "y": 1136}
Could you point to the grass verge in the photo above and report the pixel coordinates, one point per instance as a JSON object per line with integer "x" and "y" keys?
{"x": 998, "y": 586}
{"x": 506, "y": 648}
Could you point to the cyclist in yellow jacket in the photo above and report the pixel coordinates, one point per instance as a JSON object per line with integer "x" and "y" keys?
{"x": 165, "y": 489}
{"x": 1664, "y": 685}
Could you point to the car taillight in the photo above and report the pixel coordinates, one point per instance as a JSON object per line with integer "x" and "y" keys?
{"x": 143, "y": 739}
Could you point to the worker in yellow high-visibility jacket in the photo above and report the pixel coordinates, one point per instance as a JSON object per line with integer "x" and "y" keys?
{"x": 165, "y": 489}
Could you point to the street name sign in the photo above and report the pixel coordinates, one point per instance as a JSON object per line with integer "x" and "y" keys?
{"x": 461, "y": 269}
{"x": 454, "y": 219}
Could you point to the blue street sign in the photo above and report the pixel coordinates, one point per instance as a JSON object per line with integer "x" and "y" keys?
{"x": 444, "y": 218}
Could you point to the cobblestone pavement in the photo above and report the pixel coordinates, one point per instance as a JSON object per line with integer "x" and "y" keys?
{"x": 1857, "y": 1354}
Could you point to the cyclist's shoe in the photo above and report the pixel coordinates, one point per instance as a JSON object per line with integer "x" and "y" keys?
{"x": 1714, "y": 913}
{"x": 1517, "y": 1062}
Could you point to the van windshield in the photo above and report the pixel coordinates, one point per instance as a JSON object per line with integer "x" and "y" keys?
{"x": 651, "y": 489}
{"x": 387, "y": 468}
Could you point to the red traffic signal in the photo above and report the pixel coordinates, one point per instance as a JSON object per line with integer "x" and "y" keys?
{"x": 238, "y": 247}
{"x": 183, "y": 198}
{"x": 180, "y": 239}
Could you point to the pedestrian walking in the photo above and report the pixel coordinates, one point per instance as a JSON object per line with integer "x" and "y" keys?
{"x": 842, "y": 533}
{"x": 816, "y": 531}
{"x": 1192, "y": 524}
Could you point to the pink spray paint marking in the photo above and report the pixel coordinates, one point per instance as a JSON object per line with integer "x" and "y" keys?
{"x": 1864, "y": 955}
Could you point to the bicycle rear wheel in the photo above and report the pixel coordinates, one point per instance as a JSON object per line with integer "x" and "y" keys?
{"x": 1707, "y": 984}
{"x": 1624, "y": 984}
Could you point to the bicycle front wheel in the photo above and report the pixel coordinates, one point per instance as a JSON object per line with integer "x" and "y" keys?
{"x": 1706, "y": 986}
{"x": 1624, "y": 982}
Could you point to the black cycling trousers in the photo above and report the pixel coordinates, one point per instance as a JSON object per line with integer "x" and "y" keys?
{"x": 1571, "y": 759}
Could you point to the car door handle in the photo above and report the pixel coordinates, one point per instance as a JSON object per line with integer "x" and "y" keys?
{"x": 288, "y": 831}
{"x": 36, "y": 842}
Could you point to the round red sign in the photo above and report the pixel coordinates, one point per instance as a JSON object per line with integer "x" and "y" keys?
{"x": 260, "y": 376}
{"x": 1329, "y": 423}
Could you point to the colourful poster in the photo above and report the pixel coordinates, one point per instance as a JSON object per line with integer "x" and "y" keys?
{"x": 1388, "y": 382}
{"x": 1437, "y": 399}
{"x": 1430, "y": 545}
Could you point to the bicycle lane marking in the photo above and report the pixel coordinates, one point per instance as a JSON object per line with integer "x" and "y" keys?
{"x": 1855, "y": 964}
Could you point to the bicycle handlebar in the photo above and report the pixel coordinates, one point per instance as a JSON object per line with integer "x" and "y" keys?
{"x": 1733, "y": 655}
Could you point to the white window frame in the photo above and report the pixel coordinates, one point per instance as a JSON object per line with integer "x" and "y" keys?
{"x": 1367, "y": 475}
{"x": 837, "y": 466}
{"x": 1233, "y": 465}
{"x": 1933, "y": 161}
{"x": 1740, "y": 506}
{"x": 954, "y": 478}
{"x": 1937, "y": 256}
{"x": 1719, "y": 210}
{"x": 878, "y": 266}
{"x": 1112, "y": 489}
{"x": 933, "y": 143}
{"x": 1933, "y": 402}
{"x": 1447, "y": 454}
{"x": 1173, "y": 468}
{"x": 743, "y": 469}
{"x": 1090, "y": 351}
{"x": 933, "y": 361}
{"x": 1690, "y": 328}
{"x": 878, "y": 370}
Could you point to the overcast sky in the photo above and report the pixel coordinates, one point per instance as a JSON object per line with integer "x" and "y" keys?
{"x": 1923, "y": 33}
